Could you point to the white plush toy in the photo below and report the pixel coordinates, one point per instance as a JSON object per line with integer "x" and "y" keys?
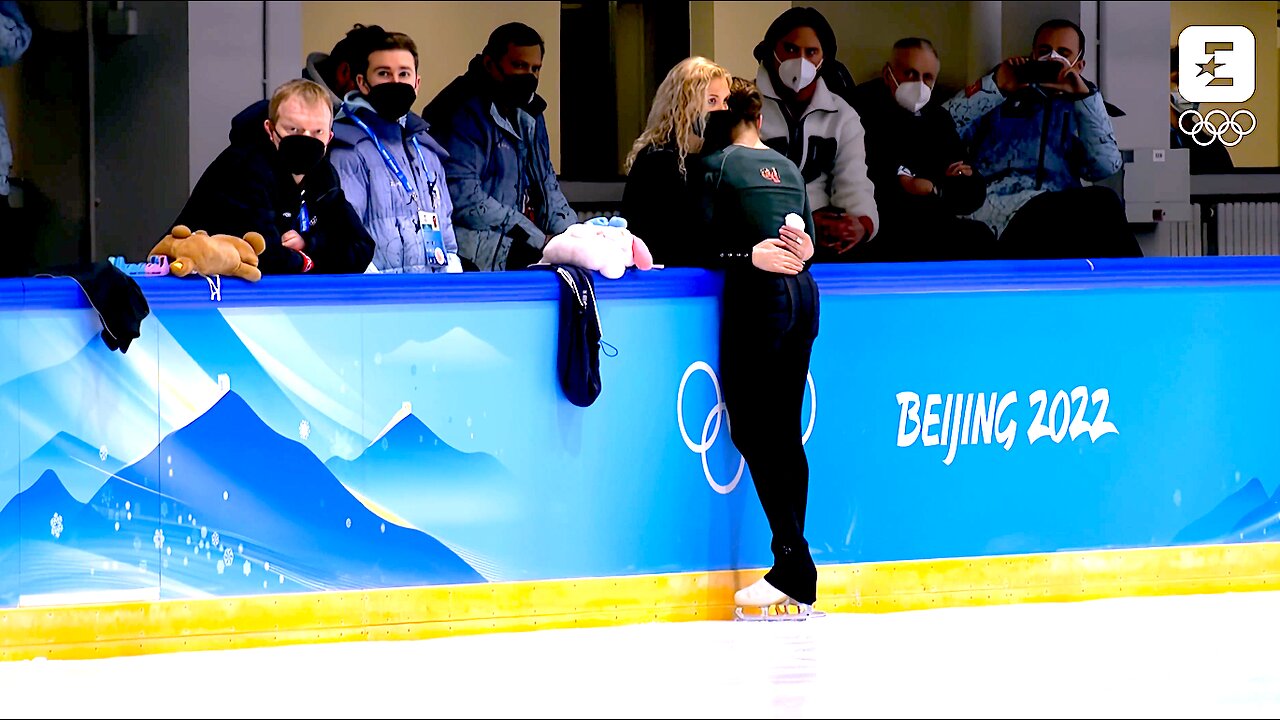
{"x": 601, "y": 244}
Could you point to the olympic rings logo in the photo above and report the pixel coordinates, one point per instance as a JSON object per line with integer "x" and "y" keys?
{"x": 711, "y": 426}
{"x": 1216, "y": 132}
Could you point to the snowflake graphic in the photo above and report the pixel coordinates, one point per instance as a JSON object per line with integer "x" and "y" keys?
{"x": 102, "y": 453}
{"x": 214, "y": 540}
{"x": 304, "y": 429}
{"x": 158, "y": 538}
{"x": 246, "y": 568}
{"x": 227, "y": 556}
{"x": 55, "y": 526}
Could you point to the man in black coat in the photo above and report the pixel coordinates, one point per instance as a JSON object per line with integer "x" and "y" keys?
{"x": 919, "y": 165}
{"x": 274, "y": 180}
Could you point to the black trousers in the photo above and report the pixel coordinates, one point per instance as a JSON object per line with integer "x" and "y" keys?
{"x": 928, "y": 238}
{"x": 768, "y": 325}
{"x": 1084, "y": 222}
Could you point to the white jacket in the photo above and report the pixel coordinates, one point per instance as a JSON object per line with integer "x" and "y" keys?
{"x": 831, "y": 155}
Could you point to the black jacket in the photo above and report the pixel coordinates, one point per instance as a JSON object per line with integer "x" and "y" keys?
{"x": 244, "y": 189}
{"x": 658, "y": 208}
{"x": 926, "y": 144}
{"x": 1209, "y": 159}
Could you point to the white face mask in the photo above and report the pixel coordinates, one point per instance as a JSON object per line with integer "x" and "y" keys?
{"x": 796, "y": 73}
{"x": 911, "y": 95}
{"x": 1180, "y": 103}
{"x": 1053, "y": 55}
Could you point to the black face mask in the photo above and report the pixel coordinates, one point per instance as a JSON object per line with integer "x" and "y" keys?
{"x": 516, "y": 91}
{"x": 391, "y": 100}
{"x": 300, "y": 153}
{"x": 717, "y": 131}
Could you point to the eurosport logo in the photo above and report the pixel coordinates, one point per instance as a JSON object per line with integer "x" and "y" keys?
{"x": 1216, "y": 63}
{"x": 1229, "y": 132}
{"x": 711, "y": 426}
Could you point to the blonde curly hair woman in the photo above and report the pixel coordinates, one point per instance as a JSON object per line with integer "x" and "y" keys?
{"x": 655, "y": 201}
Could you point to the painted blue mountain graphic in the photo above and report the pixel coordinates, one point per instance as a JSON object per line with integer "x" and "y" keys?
{"x": 229, "y": 483}
{"x": 80, "y": 467}
{"x": 1262, "y": 522}
{"x": 216, "y": 348}
{"x": 51, "y": 542}
{"x": 419, "y": 477}
{"x": 29, "y": 515}
{"x": 120, "y": 414}
{"x": 1220, "y": 524}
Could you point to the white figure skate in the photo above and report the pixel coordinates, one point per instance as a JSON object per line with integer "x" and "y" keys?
{"x": 765, "y": 598}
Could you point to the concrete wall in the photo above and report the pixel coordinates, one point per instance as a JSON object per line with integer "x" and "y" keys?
{"x": 866, "y": 32}
{"x": 448, "y": 35}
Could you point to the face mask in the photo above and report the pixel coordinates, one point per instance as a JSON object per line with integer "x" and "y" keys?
{"x": 516, "y": 91}
{"x": 300, "y": 153}
{"x": 796, "y": 73}
{"x": 391, "y": 100}
{"x": 1180, "y": 103}
{"x": 911, "y": 95}
{"x": 1053, "y": 55}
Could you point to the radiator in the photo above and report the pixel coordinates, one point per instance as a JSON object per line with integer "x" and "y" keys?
{"x": 1187, "y": 239}
{"x": 1243, "y": 228}
{"x": 1249, "y": 228}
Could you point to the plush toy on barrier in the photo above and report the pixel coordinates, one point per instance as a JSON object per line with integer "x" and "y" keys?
{"x": 601, "y": 244}
{"x": 199, "y": 252}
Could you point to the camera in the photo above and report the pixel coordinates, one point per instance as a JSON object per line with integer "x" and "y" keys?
{"x": 1037, "y": 71}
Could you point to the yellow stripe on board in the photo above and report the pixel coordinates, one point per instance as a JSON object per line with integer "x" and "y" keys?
{"x": 133, "y": 628}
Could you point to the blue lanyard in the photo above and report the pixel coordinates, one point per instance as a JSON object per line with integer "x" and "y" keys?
{"x": 431, "y": 180}
{"x": 391, "y": 162}
{"x": 304, "y": 218}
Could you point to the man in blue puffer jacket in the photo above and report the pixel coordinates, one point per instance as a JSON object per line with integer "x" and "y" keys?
{"x": 1035, "y": 140}
{"x": 509, "y": 202}
{"x": 390, "y": 168}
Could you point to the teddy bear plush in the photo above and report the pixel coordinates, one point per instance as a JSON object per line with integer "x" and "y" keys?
{"x": 199, "y": 252}
{"x": 601, "y": 244}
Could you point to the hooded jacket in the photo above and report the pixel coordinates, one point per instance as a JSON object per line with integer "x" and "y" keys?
{"x": 245, "y": 189}
{"x": 387, "y": 210}
{"x": 492, "y": 165}
{"x": 826, "y": 143}
{"x": 312, "y": 72}
{"x": 1031, "y": 143}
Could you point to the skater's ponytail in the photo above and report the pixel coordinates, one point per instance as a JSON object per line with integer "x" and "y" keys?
{"x": 744, "y": 102}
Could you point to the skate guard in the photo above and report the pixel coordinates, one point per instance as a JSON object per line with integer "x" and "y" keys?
{"x": 788, "y": 610}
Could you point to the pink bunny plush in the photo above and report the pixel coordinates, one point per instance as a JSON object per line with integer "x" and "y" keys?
{"x": 601, "y": 244}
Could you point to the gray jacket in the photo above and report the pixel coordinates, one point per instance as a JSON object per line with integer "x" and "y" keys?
{"x": 386, "y": 210}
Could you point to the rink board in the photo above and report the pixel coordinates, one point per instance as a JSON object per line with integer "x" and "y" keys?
{"x": 312, "y": 459}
